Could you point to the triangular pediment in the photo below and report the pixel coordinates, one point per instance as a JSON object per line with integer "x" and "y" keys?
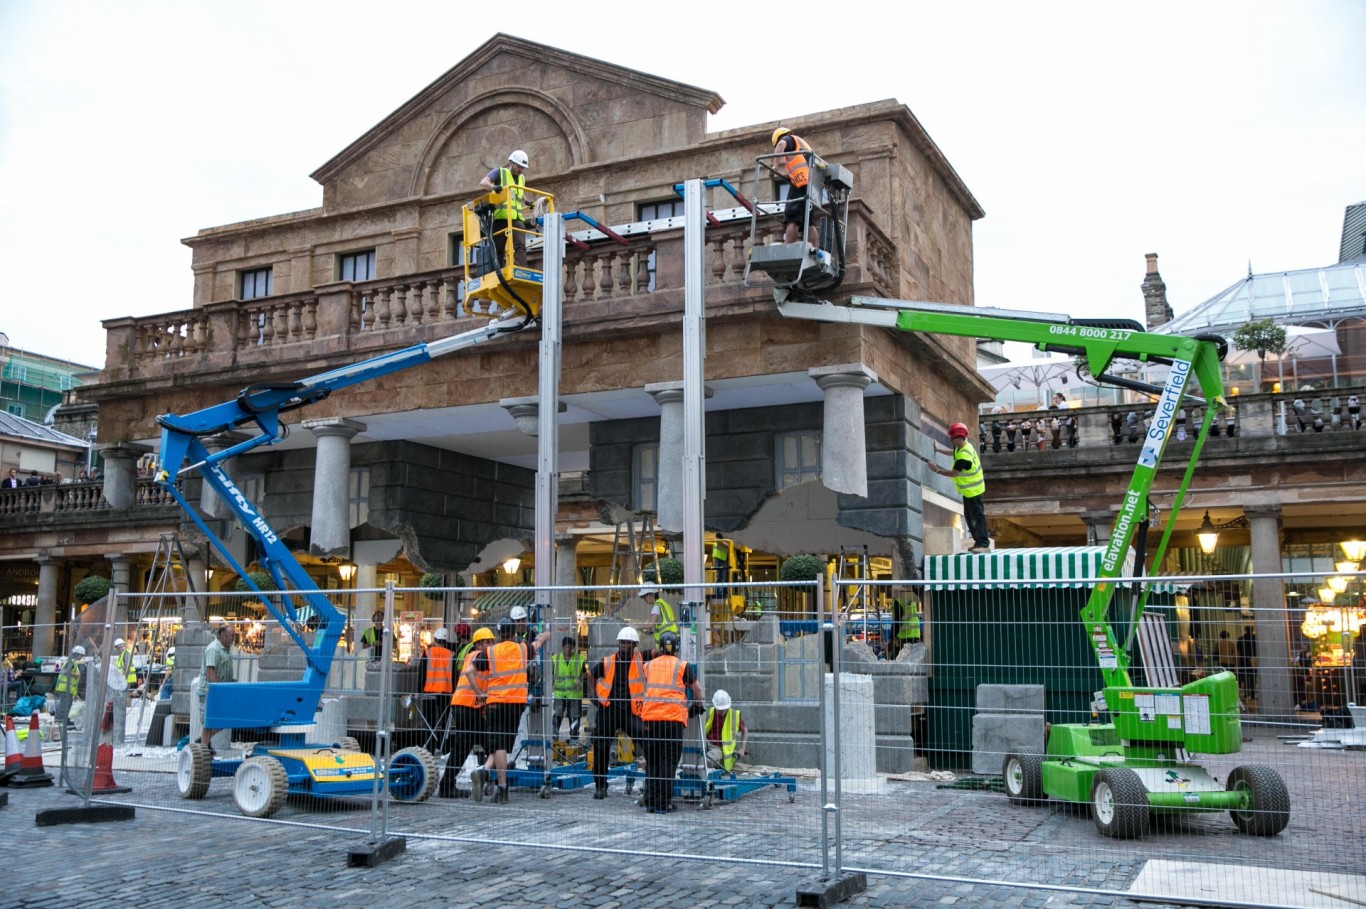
{"x": 566, "y": 110}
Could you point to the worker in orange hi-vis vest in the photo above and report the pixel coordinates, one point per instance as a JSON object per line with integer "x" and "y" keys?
{"x": 665, "y": 707}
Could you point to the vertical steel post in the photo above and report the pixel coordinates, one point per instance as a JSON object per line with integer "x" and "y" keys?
{"x": 694, "y": 440}
{"x": 827, "y": 807}
{"x": 548, "y": 446}
{"x": 379, "y": 819}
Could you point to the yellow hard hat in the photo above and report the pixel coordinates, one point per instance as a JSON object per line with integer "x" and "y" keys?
{"x": 778, "y": 134}
{"x": 483, "y": 634}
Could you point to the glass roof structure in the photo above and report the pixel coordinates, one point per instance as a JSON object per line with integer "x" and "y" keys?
{"x": 1322, "y": 297}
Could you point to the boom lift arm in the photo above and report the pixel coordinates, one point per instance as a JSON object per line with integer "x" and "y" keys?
{"x": 1101, "y": 342}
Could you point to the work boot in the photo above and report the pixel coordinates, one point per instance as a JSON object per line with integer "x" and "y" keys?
{"x": 501, "y": 796}
{"x": 477, "y": 777}
{"x": 600, "y": 792}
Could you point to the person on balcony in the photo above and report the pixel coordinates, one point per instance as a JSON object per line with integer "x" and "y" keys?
{"x": 12, "y": 481}
{"x": 511, "y": 214}
{"x": 971, "y": 482}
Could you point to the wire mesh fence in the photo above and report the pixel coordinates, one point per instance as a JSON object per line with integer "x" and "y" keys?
{"x": 963, "y": 729}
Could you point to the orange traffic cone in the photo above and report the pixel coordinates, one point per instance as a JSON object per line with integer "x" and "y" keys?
{"x": 13, "y": 757}
{"x": 31, "y": 771}
{"x": 104, "y": 783}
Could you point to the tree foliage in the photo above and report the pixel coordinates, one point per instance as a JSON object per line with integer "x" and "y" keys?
{"x": 670, "y": 573}
{"x": 801, "y": 568}
{"x": 91, "y": 588}
{"x": 1263, "y": 336}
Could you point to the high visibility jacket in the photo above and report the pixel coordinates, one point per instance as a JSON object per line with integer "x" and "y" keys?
{"x": 471, "y": 687}
{"x": 69, "y": 679}
{"x": 972, "y": 483}
{"x": 125, "y": 663}
{"x": 507, "y": 673}
{"x": 464, "y": 652}
{"x": 513, "y": 208}
{"x": 666, "y": 698}
{"x": 798, "y": 167}
{"x": 907, "y": 620}
{"x": 439, "y": 670}
{"x": 730, "y": 725}
{"x": 568, "y": 675}
{"x": 668, "y": 619}
{"x": 635, "y": 681}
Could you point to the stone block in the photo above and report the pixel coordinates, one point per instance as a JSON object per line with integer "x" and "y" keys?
{"x": 1010, "y": 699}
{"x": 994, "y": 735}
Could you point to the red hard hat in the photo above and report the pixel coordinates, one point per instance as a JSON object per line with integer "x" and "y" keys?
{"x": 958, "y": 431}
{"x": 462, "y": 630}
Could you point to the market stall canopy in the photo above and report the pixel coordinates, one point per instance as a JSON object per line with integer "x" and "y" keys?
{"x": 1054, "y": 566}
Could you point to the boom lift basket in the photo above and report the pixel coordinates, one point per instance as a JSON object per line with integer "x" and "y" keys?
{"x": 498, "y": 278}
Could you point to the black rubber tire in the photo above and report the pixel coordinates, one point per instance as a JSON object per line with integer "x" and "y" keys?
{"x": 1270, "y": 811}
{"x": 1119, "y": 804}
{"x": 413, "y": 774}
{"x": 1023, "y": 776}
{"x": 260, "y": 785}
{"x": 194, "y": 769}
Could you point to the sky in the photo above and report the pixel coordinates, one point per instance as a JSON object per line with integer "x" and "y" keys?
{"x": 1216, "y": 134}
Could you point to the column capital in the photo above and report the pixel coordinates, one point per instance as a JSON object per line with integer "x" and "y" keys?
{"x": 526, "y": 413}
{"x": 334, "y": 426}
{"x": 1268, "y": 510}
{"x": 844, "y": 375}
{"x": 671, "y": 392}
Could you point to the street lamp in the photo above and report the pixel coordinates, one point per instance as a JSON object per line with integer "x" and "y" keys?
{"x": 1355, "y": 550}
{"x": 512, "y": 564}
{"x": 1208, "y": 532}
{"x": 346, "y": 571}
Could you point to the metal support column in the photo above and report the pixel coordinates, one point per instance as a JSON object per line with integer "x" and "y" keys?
{"x": 694, "y": 438}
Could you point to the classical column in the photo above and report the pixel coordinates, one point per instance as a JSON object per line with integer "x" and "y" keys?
{"x": 120, "y": 475}
{"x": 1275, "y": 685}
{"x": 120, "y": 575}
{"x": 669, "y": 489}
{"x": 566, "y": 575}
{"x": 331, "y": 526}
{"x": 526, "y": 413}
{"x": 209, "y": 500}
{"x": 45, "y": 611}
{"x": 844, "y": 452}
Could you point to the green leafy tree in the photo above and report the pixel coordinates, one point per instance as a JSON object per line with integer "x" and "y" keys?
{"x": 91, "y": 588}
{"x": 1263, "y": 336}
{"x": 666, "y": 572}
{"x": 438, "y": 579}
{"x": 801, "y": 568}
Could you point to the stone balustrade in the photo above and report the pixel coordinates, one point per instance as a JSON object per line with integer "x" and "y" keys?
{"x": 75, "y": 499}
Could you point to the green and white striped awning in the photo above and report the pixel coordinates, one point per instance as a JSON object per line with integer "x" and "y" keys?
{"x": 1053, "y": 566}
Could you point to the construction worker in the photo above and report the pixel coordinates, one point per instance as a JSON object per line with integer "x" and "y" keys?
{"x": 464, "y": 646}
{"x": 797, "y": 164}
{"x": 664, "y": 711}
{"x": 467, "y": 715}
{"x": 661, "y": 612}
{"x": 373, "y": 637}
{"x": 438, "y": 683}
{"x": 511, "y": 214}
{"x": 972, "y": 485}
{"x": 506, "y": 664}
{"x": 567, "y": 671}
{"x": 906, "y": 622}
{"x": 68, "y": 684}
{"x": 725, "y": 732}
{"x": 618, "y": 685}
{"x": 217, "y": 668}
{"x": 123, "y": 659}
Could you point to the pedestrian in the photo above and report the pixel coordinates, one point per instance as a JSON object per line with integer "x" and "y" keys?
{"x": 665, "y": 707}
{"x": 1226, "y": 652}
{"x": 1247, "y": 661}
{"x": 33, "y": 479}
{"x": 217, "y": 669}
{"x": 1305, "y": 670}
{"x": 68, "y": 684}
{"x": 661, "y": 612}
{"x": 467, "y": 715}
{"x": 566, "y": 668}
{"x": 971, "y": 483}
{"x": 373, "y": 637}
{"x": 509, "y": 216}
{"x": 725, "y": 732}
{"x": 797, "y": 165}
{"x": 1059, "y": 401}
{"x": 618, "y": 685}
{"x": 438, "y": 684}
{"x": 506, "y": 664}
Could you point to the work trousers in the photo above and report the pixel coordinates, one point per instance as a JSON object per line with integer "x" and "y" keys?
{"x": 570, "y": 709}
{"x": 663, "y": 749}
{"x": 610, "y": 721}
{"x": 976, "y": 513}
{"x": 467, "y": 732}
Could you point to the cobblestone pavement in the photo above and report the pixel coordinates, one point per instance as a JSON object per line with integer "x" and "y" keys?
{"x": 569, "y": 850}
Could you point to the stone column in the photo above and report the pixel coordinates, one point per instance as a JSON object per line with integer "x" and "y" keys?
{"x": 1275, "y": 686}
{"x": 209, "y": 500}
{"x": 120, "y": 575}
{"x": 669, "y": 495}
{"x": 566, "y": 575}
{"x": 1097, "y": 526}
{"x": 331, "y": 526}
{"x": 45, "y": 611}
{"x": 844, "y": 452}
{"x": 120, "y": 475}
{"x": 526, "y": 413}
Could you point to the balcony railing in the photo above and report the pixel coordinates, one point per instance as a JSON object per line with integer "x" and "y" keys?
{"x": 75, "y": 498}
{"x": 358, "y": 317}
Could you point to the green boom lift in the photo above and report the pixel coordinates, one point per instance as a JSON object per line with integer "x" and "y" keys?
{"x": 1139, "y": 762}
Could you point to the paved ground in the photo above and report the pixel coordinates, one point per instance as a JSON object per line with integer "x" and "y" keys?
{"x": 569, "y": 850}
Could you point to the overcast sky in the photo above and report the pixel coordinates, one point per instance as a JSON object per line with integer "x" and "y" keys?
{"x": 1211, "y": 133}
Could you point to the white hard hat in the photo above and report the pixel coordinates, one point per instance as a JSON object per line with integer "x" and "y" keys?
{"x": 629, "y": 634}
{"x": 118, "y": 642}
{"x": 78, "y": 650}
{"x": 519, "y": 158}
{"x": 720, "y": 700}
{"x": 439, "y": 634}
{"x": 647, "y": 590}
{"x": 170, "y": 652}
{"x": 518, "y": 613}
